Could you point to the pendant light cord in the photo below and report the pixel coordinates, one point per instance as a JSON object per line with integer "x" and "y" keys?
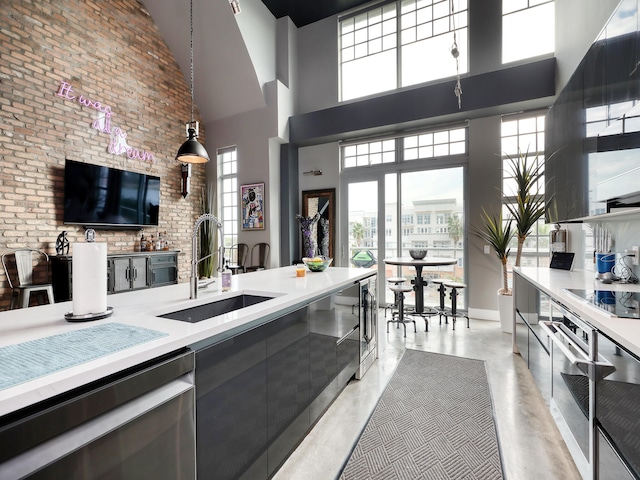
{"x": 191, "y": 53}
{"x": 456, "y": 54}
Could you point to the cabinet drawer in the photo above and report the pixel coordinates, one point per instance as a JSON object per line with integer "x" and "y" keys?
{"x": 163, "y": 259}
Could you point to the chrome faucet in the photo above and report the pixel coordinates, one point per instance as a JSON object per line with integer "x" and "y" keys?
{"x": 194, "y": 250}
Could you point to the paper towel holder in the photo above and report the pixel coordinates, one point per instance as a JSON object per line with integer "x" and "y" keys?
{"x": 90, "y": 237}
{"x": 88, "y": 317}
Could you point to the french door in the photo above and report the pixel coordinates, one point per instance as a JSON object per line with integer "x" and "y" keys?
{"x": 386, "y": 213}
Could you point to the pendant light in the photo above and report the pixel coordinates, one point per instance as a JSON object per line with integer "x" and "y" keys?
{"x": 192, "y": 151}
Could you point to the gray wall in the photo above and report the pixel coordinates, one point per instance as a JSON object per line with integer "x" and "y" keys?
{"x": 306, "y": 61}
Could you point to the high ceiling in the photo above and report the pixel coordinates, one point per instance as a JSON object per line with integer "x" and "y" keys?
{"x": 304, "y": 12}
{"x": 226, "y": 83}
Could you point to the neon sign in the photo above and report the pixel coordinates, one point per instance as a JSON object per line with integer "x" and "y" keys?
{"x": 118, "y": 142}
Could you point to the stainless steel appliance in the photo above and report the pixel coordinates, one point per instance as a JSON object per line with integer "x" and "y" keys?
{"x": 617, "y": 414}
{"x": 137, "y": 424}
{"x": 575, "y": 369}
{"x": 368, "y": 306}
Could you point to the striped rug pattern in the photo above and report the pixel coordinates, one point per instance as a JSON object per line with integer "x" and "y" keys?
{"x": 433, "y": 421}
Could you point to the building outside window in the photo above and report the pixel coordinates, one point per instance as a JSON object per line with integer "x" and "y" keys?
{"x": 228, "y": 196}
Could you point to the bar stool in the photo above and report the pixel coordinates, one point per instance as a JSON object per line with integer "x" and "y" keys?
{"x": 399, "y": 291}
{"x": 454, "y": 313}
{"x": 393, "y": 281}
{"x": 442, "y": 292}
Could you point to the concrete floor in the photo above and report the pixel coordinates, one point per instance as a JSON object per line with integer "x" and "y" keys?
{"x": 531, "y": 445}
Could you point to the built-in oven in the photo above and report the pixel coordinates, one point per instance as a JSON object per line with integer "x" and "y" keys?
{"x": 575, "y": 368}
{"x": 618, "y": 414}
{"x": 368, "y": 306}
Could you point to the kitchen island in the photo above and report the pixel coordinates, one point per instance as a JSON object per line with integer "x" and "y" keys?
{"x": 247, "y": 355}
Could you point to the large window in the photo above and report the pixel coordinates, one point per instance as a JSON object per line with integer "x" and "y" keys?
{"x": 401, "y": 43}
{"x": 524, "y": 134}
{"x": 528, "y": 29}
{"x": 421, "y": 146}
{"x": 228, "y": 195}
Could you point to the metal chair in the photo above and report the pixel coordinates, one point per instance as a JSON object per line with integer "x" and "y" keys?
{"x": 263, "y": 255}
{"x": 22, "y": 270}
{"x": 242, "y": 250}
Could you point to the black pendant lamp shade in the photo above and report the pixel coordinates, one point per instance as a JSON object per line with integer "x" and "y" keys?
{"x": 192, "y": 151}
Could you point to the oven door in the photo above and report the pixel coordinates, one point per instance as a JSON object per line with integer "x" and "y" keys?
{"x": 618, "y": 413}
{"x": 574, "y": 368}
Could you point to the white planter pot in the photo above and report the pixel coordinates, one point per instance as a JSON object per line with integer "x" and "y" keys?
{"x": 505, "y": 309}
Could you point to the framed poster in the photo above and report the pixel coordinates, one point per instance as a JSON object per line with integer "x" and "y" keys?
{"x": 252, "y": 206}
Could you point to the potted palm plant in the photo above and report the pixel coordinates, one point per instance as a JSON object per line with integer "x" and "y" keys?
{"x": 529, "y": 206}
{"x": 499, "y": 233}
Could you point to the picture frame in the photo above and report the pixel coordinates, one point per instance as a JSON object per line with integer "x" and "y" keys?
{"x": 252, "y": 206}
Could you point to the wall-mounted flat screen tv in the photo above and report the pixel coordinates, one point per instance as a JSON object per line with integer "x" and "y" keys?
{"x": 100, "y": 196}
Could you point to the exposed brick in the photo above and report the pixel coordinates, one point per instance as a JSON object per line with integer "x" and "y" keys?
{"x": 110, "y": 52}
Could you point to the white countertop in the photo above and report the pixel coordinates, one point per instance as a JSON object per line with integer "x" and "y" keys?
{"x": 141, "y": 308}
{"x": 625, "y": 331}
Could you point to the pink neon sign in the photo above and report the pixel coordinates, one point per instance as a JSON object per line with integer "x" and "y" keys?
{"x": 118, "y": 142}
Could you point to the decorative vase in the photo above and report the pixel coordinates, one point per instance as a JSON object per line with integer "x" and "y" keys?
{"x": 309, "y": 241}
{"x": 505, "y": 309}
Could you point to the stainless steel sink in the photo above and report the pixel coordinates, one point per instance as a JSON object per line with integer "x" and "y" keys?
{"x": 213, "y": 309}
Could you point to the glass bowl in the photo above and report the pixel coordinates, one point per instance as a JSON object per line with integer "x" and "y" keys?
{"x": 317, "y": 264}
{"x": 417, "y": 254}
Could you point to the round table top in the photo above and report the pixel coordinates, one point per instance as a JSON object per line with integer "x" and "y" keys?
{"x": 424, "y": 262}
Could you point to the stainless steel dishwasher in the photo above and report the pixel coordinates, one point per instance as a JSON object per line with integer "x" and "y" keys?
{"x": 139, "y": 423}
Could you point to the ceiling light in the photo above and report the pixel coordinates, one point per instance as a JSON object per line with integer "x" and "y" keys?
{"x": 192, "y": 151}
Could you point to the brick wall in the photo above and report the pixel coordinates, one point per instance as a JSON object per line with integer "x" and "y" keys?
{"x": 110, "y": 52}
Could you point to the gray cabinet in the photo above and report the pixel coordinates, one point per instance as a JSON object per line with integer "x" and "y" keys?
{"x": 163, "y": 269}
{"x": 127, "y": 273}
{"x": 260, "y": 392}
{"x": 533, "y": 306}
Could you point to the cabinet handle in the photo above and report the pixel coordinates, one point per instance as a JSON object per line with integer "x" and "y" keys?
{"x": 135, "y": 274}
{"x": 347, "y": 335}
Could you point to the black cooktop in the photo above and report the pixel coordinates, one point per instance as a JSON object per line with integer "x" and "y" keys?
{"x": 618, "y": 304}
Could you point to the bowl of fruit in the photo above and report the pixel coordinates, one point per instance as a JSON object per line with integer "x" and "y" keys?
{"x": 318, "y": 263}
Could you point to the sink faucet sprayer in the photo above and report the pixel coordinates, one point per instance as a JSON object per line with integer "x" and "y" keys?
{"x": 194, "y": 250}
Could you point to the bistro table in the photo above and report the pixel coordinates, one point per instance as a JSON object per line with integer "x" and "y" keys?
{"x": 419, "y": 283}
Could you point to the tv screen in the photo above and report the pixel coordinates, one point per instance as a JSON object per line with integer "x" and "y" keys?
{"x": 103, "y": 196}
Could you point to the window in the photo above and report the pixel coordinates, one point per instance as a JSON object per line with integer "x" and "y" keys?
{"x": 228, "y": 194}
{"x": 528, "y": 29}
{"x": 525, "y": 134}
{"x": 407, "y": 219}
{"x": 400, "y": 43}
{"x": 370, "y": 153}
{"x": 435, "y": 144}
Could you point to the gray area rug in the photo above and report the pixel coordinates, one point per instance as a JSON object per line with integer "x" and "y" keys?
{"x": 433, "y": 421}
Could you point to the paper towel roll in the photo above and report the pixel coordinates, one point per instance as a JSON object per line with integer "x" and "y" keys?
{"x": 89, "y": 277}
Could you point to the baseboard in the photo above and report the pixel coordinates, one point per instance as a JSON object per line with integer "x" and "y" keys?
{"x": 482, "y": 314}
